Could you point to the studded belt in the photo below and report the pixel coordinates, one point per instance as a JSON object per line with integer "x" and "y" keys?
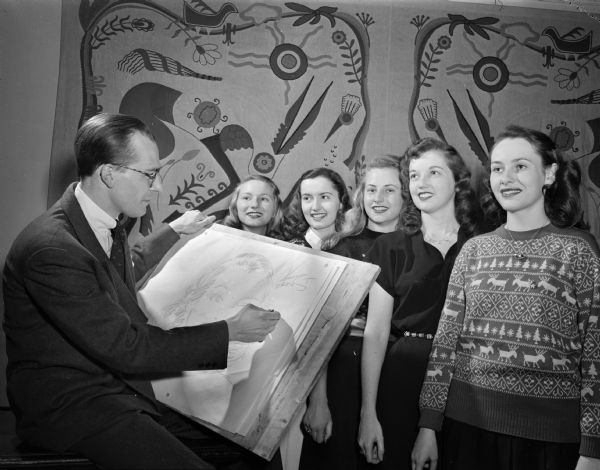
{"x": 412, "y": 334}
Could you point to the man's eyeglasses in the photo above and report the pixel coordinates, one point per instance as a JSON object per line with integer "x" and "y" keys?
{"x": 151, "y": 175}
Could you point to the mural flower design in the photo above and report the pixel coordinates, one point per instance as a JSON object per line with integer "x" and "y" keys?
{"x": 338, "y": 37}
{"x": 444, "y": 42}
{"x": 142, "y": 24}
{"x": 264, "y": 162}
{"x": 206, "y": 54}
{"x": 419, "y": 21}
{"x": 567, "y": 79}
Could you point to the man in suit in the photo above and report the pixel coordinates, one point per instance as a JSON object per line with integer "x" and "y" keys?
{"x": 80, "y": 350}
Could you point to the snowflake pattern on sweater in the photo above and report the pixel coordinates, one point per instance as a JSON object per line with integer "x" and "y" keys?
{"x": 519, "y": 330}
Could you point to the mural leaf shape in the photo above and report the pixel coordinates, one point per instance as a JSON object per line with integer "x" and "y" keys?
{"x": 189, "y": 155}
{"x": 468, "y": 132}
{"x": 314, "y": 16}
{"x": 471, "y": 26}
{"x": 300, "y": 132}
{"x": 299, "y": 7}
{"x": 289, "y": 120}
{"x": 482, "y": 123}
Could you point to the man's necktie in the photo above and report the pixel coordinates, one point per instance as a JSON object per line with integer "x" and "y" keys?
{"x": 117, "y": 252}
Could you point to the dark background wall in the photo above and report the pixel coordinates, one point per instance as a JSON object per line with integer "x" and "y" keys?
{"x": 29, "y": 52}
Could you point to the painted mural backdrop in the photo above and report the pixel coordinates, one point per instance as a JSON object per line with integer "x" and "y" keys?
{"x": 232, "y": 88}
{"x": 267, "y": 89}
{"x": 476, "y": 74}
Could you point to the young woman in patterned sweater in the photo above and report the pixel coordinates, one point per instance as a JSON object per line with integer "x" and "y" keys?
{"x": 513, "y": 370}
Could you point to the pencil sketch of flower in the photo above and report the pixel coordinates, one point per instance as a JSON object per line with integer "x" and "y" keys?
{"x": 567, "y": 79}
{"x": 206, "y": 54}
{"x": 291, "y": 278}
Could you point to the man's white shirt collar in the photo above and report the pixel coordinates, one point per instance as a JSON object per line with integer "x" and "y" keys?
{"x": 100, "y": 222}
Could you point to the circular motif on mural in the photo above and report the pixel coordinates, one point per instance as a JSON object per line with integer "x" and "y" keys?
{"x": 288, "y": 61}
{"x": 490, "y": 74}
{"x": 207, "y": 114}
{"x": 264, "y": 162}
{"x": 563, "y": 137}
{"x": 432, "y": 124}
{"x": 346, "y": 118}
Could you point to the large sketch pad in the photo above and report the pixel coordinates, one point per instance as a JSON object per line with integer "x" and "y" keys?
{"x": 211, "y": 278}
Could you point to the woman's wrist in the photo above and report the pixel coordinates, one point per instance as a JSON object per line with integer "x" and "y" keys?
{"x": 367, "y": 412}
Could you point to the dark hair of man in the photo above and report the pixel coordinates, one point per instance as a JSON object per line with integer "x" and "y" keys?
{"x": 105, "y": 138}
{"x": 562, "y": 202}
{"x": 294, "y": 224}
{"x": 466, "y": 208}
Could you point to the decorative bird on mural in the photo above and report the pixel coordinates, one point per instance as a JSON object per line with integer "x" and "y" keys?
{"x": 572, "y": 42}
{"x": 206, "y": 16}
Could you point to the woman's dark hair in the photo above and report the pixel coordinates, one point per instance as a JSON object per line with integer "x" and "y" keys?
{"x": 294, "y": 224}
{"x": 105, "y": 138}
{"x": 562, "y": 202}
{"x": 233, "y": 219}
{"x": 466, "y": 209}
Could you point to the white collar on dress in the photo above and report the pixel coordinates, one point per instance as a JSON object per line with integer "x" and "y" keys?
{"x": 313, "y": 239}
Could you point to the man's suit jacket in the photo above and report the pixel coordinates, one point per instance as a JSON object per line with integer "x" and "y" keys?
{"x": 78, "y": 344}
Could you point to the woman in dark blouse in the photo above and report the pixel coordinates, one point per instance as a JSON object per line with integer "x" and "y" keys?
{"x": 376, "y": 206}
{"x": 439, "y": 214}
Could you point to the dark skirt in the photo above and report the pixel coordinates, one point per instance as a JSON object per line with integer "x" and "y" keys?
{"x": 341, "y": 451}
{"x": 400, "y": 384}
{"x": 465, "y": 447}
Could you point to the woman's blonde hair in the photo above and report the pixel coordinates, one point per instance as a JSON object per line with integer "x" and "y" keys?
{"x": 356, "y": 219}
{"x": 233, "y": 219}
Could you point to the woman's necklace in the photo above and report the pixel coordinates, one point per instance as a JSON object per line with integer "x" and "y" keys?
{"x": 519, "y": 255}
{"x": 446, "y": 238}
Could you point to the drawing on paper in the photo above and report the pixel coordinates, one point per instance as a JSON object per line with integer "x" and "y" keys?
{"x": 211, "y": 278}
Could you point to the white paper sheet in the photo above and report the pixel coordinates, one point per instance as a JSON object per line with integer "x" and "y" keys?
{"x": 211, "y": 278}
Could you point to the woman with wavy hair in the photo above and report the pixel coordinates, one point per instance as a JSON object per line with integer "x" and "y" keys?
{"x": 255, "y": 206}
{"x": 519, "y": 335}
{"x": 439, "y": 213}
{"x": 315, "y": 212}
{"x": 313, "y": 215}
{"x": 376, "y": 205}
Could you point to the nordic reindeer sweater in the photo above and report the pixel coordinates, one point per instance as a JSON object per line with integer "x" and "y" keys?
{"x": 517, "y": 350}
